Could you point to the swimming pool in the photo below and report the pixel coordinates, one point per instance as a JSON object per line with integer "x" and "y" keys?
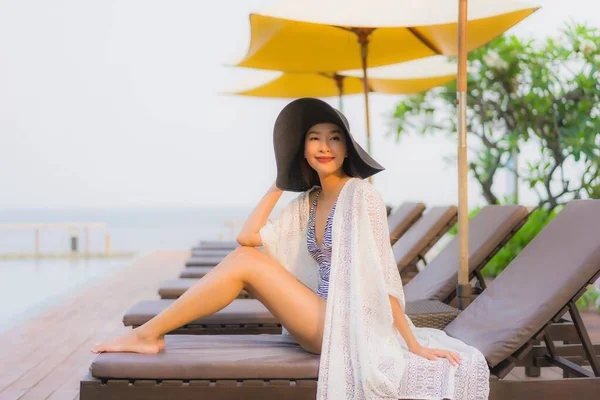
{"x": 29, "y": 287}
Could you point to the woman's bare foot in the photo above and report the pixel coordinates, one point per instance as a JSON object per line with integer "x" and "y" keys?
{"x": 132, "y": 342}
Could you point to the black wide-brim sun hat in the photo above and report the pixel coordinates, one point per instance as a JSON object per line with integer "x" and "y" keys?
{"x": 288, "y": 141}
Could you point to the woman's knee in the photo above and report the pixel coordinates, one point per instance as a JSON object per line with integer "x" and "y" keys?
{"x": 247, "y": 252}
{"x": 252, "y": 262}
{"x": 241, "y": 253}
{"x": 243, "y": 256}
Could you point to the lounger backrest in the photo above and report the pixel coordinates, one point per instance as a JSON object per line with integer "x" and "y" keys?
{"x": 423, "y": 234}
{"x": 488, "y": 230}
{"x": 402, "y": 218}
{"x": 537, "y": 284}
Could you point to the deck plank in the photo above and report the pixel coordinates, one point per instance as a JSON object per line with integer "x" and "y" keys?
{"x": 11, "y": 394}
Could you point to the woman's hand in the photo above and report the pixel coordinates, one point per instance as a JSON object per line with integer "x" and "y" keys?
{"x": 401, "y": 324}
{"x": 434, "y": 354}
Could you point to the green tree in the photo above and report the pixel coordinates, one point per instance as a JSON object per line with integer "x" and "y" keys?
{"x": 546, "y": 92}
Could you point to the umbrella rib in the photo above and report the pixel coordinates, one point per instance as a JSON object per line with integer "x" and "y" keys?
{"x": 411, "y": 29}
{"x": 425, "y": 41}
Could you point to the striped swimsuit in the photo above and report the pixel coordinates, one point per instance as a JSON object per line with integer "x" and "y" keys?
{"x": 322, "y": 255}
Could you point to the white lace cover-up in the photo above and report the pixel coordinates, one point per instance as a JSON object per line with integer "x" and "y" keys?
{"x": 363, "y": 355}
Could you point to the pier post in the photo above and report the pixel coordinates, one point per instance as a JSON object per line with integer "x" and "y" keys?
{"x": 107, "y": 244}
{"x": 86, "y": 234}
{"x": 37, "y": 242}
{"x": 74, "y": 234}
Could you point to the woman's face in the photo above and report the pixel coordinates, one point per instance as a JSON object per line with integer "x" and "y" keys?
{"x": 325, "y": 148}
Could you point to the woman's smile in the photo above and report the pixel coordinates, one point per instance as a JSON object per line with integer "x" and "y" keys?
{"x": 324, "y": 159}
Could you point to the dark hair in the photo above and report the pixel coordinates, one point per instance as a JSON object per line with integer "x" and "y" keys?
{"x": 310, "y": 177}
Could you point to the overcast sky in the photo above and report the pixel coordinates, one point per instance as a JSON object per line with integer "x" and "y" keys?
{"x": 115, "y": 103}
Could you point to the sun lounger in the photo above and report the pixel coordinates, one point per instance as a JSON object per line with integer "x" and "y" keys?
{"x": 398, "y": 222}
{"x": 438, "y": 281}
{"x": 504, "y": 322}
{"x": 523, "y": 304}
{"x": 489, "y": 231}
{"x": 422, "y": 236}
{"x": 239, "y": 317}
{"x": 402, "y": 218}
{"x": 493, "y": 226}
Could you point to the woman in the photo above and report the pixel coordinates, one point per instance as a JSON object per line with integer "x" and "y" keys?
{"x": 328, "y": 275}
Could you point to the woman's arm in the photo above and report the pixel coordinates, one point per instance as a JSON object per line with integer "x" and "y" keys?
{"x": 249, "y": 235}
{"x": 412, "y": 343}
{"x": 402, "y": 325}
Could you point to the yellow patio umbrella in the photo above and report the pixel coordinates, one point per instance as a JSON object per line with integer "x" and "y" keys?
{"x": 338, "y": 35}
{"x": 335, "y": 35}
{"x": 297, "y": 84}
{"x": 404, "y": 78}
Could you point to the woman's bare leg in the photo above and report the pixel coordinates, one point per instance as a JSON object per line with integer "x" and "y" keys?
{"x": 298, "y": 308}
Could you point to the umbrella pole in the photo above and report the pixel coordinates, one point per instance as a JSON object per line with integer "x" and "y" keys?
{"x": 463, "y": 290}
{"x": 363, "y": 40}
{"x": 339, "y": 82}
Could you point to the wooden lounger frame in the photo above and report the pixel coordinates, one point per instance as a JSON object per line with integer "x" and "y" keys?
{"x": 264, "y": 389}
{"x": 95, "y": 389}
{"x": 577, "y": 348}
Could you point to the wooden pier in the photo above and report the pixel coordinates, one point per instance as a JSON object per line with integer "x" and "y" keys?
{"x": 66, "y": 256}
{"x": 46, "y": 357}
{"x": 75, "y": 229}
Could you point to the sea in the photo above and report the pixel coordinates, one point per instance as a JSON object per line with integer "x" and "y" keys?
{"x": 28, "y": 287}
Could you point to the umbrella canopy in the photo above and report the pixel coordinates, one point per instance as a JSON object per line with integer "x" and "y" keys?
{"x": 317, "y": 35}
{"x": 404, "y": 78}
{"x": 408, "y": 77}
{"x": 296, "y": 84}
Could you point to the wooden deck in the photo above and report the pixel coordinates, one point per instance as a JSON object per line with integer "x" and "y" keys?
{"x": 46, "y": 357}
